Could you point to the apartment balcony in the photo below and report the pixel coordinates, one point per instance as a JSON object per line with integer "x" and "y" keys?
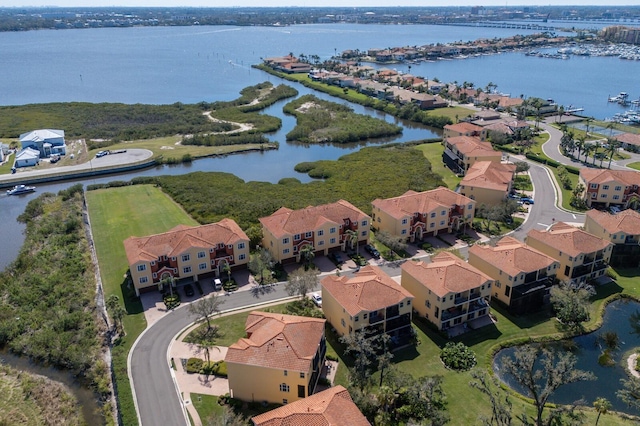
{"x": 375, "y": 317}
{"x": 399, "y": 322}
{"x": 392, "y": 311}
{"x": 580, "y": 271}
{"x": 452, "y": 313}
{"x": 475, "y": 295}
{"x": 632, "y": 241}
{"x": 600, "y": 265}
{"x": 477, "y": 305}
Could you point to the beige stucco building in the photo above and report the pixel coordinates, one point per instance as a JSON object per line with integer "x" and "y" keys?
{"x": 448, "y": 291}
{"x": 461, "y": 152}
{"x": 186, "y": 252}
{"x": 604, "y": 187}
{"x": 369, "y": 301}
{"x": 330, "y": 407}
{"x": 280, "y": 359}
{"x": 415, "y": 215}
{"x": 622, "y": 229}
{"x": 582, "y": 255}
{"x": 326, "y": 228}
{"x": 464, "y": 129}
{"x": 522, "y": 274}
{"x": 488, "y": 182}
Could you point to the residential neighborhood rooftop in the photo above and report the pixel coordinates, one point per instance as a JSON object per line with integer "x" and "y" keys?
{"x": 463, "y": 127}
{"x": 411, "y": 201}
{"x": 628, "y": 177}
{"x": 181, "y": 238}
{"x": 512, "y": 256}
{"x": 370, "y": 289}
{"x": 286, "y": 221}
{"x": 332, "y": 407}
{"x": 627, "y": 221}
{"x": 446, "y": 274}
{"x": 472, "y": 146}
{"x": 490, "y": 175}
{"x": 287, "y": 342}
{"x": 568, "y": 239}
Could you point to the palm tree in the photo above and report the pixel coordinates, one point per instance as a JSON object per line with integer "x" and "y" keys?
{"x": 580, "y": 144}
{"x": 352, "y": 238}
{"x": 602, "y": 405}
{"x": 587, "y": 149}
{"x": 596, "y": 146}
{"x": 307, "y": 253}
{"x": 613, "y": 148}
{"x": 227, "y": 269}
{"x": 587, "y": 121}
{"x": 560, "y": 113}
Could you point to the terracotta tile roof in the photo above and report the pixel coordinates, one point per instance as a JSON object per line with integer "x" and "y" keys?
{"x": 627, "y": 221}
{"x": 463, "y": 127}
{"x": 568, "y": 239}
{"x": 500, "y": 127}
{"x": 490, "y": 175}
{"x": 421, "y": 202}
{"x": 370, "y": 289}
{"x": 512, "y": 256}
{"x": 472, "y": 146}
{"x": 181, "y": 238}
{"x": 446, "y": 274}
{"x": 286, "y": 221}
{"x": 279, "y": 341}
{"x": 629, "y": 138}
{"x": 627, "y": 177}
{"x": 332, "y": 407}
{"x": 507, "y": 102}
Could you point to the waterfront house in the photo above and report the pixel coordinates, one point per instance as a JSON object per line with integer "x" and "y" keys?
{"x": 464, "y": 129}
{"x": 280, "y": 359}
{"x": 47, "y": 142}
{"x": 415, "y": 215}
{"x": 192, "y": 252}
{"x": 369, "y": 301}
{"x": 460, "y": 152}
{"x": 582, "y": 255}
{"x": 622, "y": 229}
{"x": 604, "y": 187}
{"x": 27, "y": 157}
{"x": 326, "y": 228}
{"x": 488, "y": 182}
{"x": 448, "y": 292}
{"x": 629, "y": 141}
{"x": 331, "y": 407}
{"x": 522, "y": 274}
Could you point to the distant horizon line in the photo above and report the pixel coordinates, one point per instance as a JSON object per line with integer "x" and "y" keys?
{"x": 324, "y": 7}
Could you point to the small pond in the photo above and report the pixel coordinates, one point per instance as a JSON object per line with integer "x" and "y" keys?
{"x": 616, "y": 319}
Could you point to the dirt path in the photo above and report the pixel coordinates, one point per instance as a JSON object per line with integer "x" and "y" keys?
{"x": 242, "y": 127}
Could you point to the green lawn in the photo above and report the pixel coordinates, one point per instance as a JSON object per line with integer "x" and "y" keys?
{"x": 206, "y": 405}
{"x": 565, "y": 193}
{"x": 117, "y": 214}
{"x": 455, "y": 113}
{"x": 523, "y": 183}
{"x": 433, "y": 153}
{"x": 635, "y": 165}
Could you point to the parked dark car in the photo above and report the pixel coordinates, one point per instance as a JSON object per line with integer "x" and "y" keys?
{"x": 372, "y": 251}
{"x": 188, "y": 290}
{"x": 527, "y": 200}
{"x": 336, "y": 257}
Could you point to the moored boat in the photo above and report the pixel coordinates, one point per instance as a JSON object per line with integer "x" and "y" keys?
{"x": 21, "y": 189}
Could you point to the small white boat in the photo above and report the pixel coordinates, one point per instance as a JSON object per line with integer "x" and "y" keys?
{"x": 21, "y": 189}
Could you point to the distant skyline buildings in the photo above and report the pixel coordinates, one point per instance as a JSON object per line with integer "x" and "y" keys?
{"x": 311, "y": 3}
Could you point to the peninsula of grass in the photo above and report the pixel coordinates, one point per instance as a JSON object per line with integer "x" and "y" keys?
{"x": 115, "y": 215}
{"x": 320, "y": 121}
{"x": 433, "y": 153}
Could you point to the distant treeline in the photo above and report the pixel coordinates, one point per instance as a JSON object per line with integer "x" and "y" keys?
{"x": 324, "y": 121}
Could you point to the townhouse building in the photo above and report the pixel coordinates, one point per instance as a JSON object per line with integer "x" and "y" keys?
{"x": 193, "y": 252}
{"x": 280, "y": 359}
{"x": 464, "y": 129}
{"x": 582, "y": 256}
{"x": 461, "y": 152}
{"x": 415, "y": 215}
{"x": 622, "y": 229}
{"x": 448, "y": 292}
{"x": 523, "y": 275}
{"x": 369, "y": 301}
{"x": 604, "y": 187}
{"x": 326, "y": 228}
{"x": 488, "y": 182}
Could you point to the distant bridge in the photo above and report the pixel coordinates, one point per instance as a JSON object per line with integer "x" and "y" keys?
{"x": 517, "y": 26}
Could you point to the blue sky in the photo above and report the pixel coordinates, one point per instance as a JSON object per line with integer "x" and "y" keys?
{"x": 308, "y": 3}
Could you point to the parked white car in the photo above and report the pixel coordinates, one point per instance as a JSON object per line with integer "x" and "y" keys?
{"x": 317, "y": 299}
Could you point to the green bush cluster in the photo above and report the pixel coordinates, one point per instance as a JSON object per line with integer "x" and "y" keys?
{"x": 194, "y": 365}
{"x": 563, "y": 175}
{"x": 171, "y": 301}
{"x": 458, "y": 356}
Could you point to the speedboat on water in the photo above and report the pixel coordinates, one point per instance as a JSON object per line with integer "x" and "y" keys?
{"x": 21, "y": 189}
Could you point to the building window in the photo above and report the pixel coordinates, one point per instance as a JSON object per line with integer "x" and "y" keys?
{"x": 143, "y": 280}
{"x": 320, "y": 233}
{"x": 433, "y": 214}
{"x": 401, "y": 304}
{"x": 616, "y": 197}
{"x": 202, "y": 266}
{"x": 240, "y": 246}
{"x": 285, "y": 401}
{"x": 404, "y": 232}
{"x": 142, "y": 268}
{"x": 343, "y": 323}
{"x": 603, "y": 195}
{"x": 285, "y": 241}
{"x": 404, "y": 221}
{"x": 285, "y": 251}
{"x": 296, "y": 237}
{"x": 364, "y": 316}
{"x": 332, "y": 241}
{"x": 185, "y": 257}
{"x": 321, "y": 242}
{"x": 242, "y": 256}
{"x": 498, "y": 284}
{"x": 605, "y": 187}
{"x": 593, "y": 185}
{"x": 357, "y": 318}
{"x": 618, "y": 188}
{"x": 470, "y": 206}
{"x": 201, "y": 254}
{"x": 364, "y": 233}
{"x": 442, "y": 223}
{"x": 363, "y": 223}
{"x": 332, "y": 230}
{"x": 432, "y": 225}
{"x": 308, "y": 234}
{"x": 507, "y": 291}
{"x": 427, "y": 303}
{"x": 408, "y": 302}
{"x": 302, "y": 375}
{"x": 284, "y": 387}
{"x": 594, "y": 194}
{"x": 443, "y": 213}
{"x": 186, "y": 270}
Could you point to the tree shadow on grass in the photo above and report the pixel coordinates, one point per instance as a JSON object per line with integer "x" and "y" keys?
{"x": 132, "y": 303}
{"x": 606, "y": 290}
{"x": 528, "y": 320}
